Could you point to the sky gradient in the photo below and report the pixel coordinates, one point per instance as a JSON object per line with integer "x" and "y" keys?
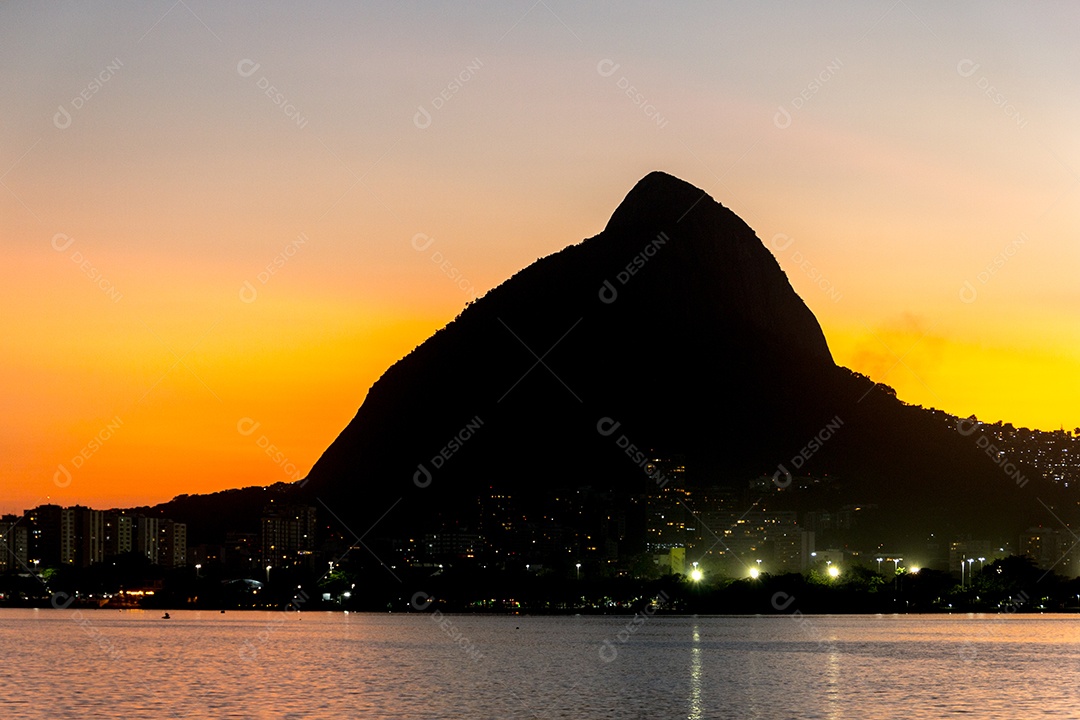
{"x": 210, "y": 215}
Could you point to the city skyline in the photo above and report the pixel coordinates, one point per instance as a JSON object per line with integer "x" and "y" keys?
{"x": 223, "y": 236}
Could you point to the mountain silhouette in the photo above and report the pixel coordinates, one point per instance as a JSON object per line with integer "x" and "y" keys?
{"x": 676, "y": 330}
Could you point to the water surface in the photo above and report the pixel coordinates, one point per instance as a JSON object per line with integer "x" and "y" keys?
{"x": 124, "y": 664}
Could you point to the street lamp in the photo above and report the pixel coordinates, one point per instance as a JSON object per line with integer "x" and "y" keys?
{"x": 834, "y": 571}
{"x": 198, "y": 567}
{"x": 879, "y": 565}
{"x": 896, "y": 564}
{"x": 267, "y": 574}
{"x": 578, "y": 569}
{"x": 969, "y": 561}
{"x": 696, "y": 574}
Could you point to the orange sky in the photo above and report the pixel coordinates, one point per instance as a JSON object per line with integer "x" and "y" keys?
{"x": 148, "y": 179}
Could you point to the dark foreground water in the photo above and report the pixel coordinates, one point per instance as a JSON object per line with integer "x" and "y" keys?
{"x": 132, "y": 664}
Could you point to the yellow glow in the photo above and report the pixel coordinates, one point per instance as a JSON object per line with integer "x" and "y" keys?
{"x": 696, "y": 575}
{"x": 834, "y": 571}
{"x": 754, "y": 573}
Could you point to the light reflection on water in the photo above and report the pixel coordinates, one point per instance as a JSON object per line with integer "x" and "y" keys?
{"x": 696, "y": 707}
{"x": 110, "y": 664}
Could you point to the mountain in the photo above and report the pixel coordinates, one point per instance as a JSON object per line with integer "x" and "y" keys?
{"x": 674, "y": 330}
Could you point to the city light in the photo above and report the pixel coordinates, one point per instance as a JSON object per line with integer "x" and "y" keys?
{"x": 755, "y": 573}
{"x": 833, "y": 571}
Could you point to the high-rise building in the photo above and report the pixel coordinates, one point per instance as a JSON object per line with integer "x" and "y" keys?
{"x": 14, "y": 544}
{"x": 242, "y": 552}
{"x": 44, "y": 523}
{"x": 669, "y": 523}
{"x": 173, "y": 545}
{"x": 287, "y": 533}
{"x": 1051, "y": 548}
{"x": 148, "y": 538}
{"x": 738, "y": 541}
{"x": 119, "y": 533}
{"x": 82, "y": 534}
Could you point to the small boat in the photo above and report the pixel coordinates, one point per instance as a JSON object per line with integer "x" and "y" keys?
{"x": 165, "y": 616}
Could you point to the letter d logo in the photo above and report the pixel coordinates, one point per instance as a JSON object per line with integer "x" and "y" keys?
{"x": 61, "y": 478}
{"x": 421, "y": 242}
{"x": 62, "y": 118}
{"x": 607, "y": 426}
{"x": 608, "y": 293}
{"x": 966, "y": 68}
{"x": 61, "y": 600}
{"x": 247, "y": 68}
{"x": 421, "y": 478}
{"x": 607, "y": 68}
{"x": 246, "y": 426}
{"x": 782, "y": 118}
{"x": 422, "y": 118}
{"x": 783, "y": 604}
{"x": 248, "y": 293}
{"x": 781, "y": 241}
{"x": 61, "y": 242}
{"x": 968, "y": 432}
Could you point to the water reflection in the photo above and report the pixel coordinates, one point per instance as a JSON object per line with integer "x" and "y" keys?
{"x": 393, "y": 667}
{"x": 696, "y": 709}
{"x": 832, "y": 679}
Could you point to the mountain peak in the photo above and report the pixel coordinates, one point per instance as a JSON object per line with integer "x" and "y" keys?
{"x": 657, "y": 201}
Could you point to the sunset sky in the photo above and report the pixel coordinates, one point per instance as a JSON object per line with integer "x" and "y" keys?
{"x": 209, "y": 214}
